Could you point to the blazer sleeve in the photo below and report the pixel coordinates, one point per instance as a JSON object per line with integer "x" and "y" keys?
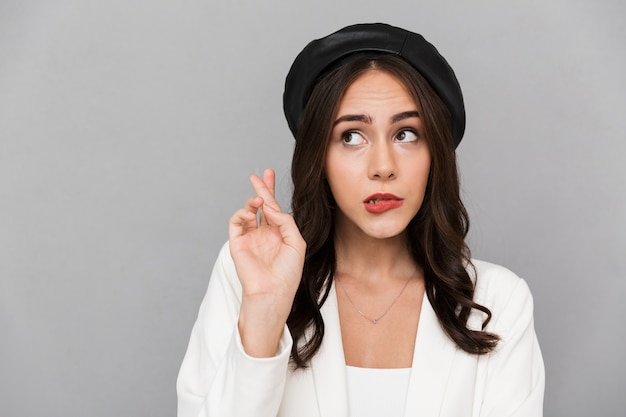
{"x": 217, "y": 378}
{"x": 514, "y": 377}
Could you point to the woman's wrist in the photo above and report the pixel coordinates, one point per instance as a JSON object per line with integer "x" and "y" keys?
{"x": 261, "y": 324}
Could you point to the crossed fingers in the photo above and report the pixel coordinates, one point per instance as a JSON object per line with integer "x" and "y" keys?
{"x": 245, "y": 219}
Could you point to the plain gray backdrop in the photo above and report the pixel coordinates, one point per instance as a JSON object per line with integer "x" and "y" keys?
{"x": 128, "y": 130}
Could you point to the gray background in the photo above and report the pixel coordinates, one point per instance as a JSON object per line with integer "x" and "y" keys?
{"x": 128, "y": 130}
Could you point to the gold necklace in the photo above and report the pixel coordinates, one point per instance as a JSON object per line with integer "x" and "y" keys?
{"x": 375, "y": 321}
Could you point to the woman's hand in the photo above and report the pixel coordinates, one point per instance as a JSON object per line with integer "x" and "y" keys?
{"x": 269, "y": 257}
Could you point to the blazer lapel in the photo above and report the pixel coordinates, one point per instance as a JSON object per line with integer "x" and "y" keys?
{"x": 329, "y": 365}
{"x": 432, "y": 363}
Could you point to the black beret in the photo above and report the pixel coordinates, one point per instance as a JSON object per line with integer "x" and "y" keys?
{"x": 319, "y": 55}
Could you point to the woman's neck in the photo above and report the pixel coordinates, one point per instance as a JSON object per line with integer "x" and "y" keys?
{"x": 373, "y": 260}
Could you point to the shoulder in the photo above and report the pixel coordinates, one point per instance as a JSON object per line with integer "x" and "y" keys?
{"x": 224, "y": 258}
{"x": 503, "y": 292}
{"x": 224, "y": 272}
{"x": 493, "y": 282}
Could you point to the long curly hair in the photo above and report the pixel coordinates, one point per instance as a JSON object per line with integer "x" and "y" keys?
{"x": 436, "y": 235}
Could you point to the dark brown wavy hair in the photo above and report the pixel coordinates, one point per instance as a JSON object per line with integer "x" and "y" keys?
{"x": 436, "y": 235}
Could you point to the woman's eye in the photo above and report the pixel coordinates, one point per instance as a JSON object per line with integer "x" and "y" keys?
{"x": 406, "y": 135}
{"x": 352, "y": 138}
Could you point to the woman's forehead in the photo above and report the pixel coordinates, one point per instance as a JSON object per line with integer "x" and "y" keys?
{"x": 376, "y": 90}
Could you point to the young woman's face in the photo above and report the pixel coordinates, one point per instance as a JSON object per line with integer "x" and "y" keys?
{"x": 378, "y": 161}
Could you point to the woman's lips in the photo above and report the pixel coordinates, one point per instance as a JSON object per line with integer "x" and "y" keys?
{"x": 382, "y": 202}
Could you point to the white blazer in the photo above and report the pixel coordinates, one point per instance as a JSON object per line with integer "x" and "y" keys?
{"x": 217, "y": 378}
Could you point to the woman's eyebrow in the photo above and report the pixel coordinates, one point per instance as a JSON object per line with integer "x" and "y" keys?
{"x": 353, "y": 118}
{"x": 404, "y": 115}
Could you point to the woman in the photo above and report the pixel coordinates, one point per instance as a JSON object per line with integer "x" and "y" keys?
{"x": 365, "y": 301}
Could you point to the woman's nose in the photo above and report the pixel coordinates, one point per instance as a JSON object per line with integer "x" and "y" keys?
{"x": 382, "y": 163}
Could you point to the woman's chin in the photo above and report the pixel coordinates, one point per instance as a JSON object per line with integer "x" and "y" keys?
{"x": 384, "y": 231}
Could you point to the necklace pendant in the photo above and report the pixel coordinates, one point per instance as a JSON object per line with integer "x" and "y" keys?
{"x": 374, "y": 321}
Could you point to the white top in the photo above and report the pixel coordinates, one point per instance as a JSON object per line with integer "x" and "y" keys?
{"x": 377, "y": 392}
